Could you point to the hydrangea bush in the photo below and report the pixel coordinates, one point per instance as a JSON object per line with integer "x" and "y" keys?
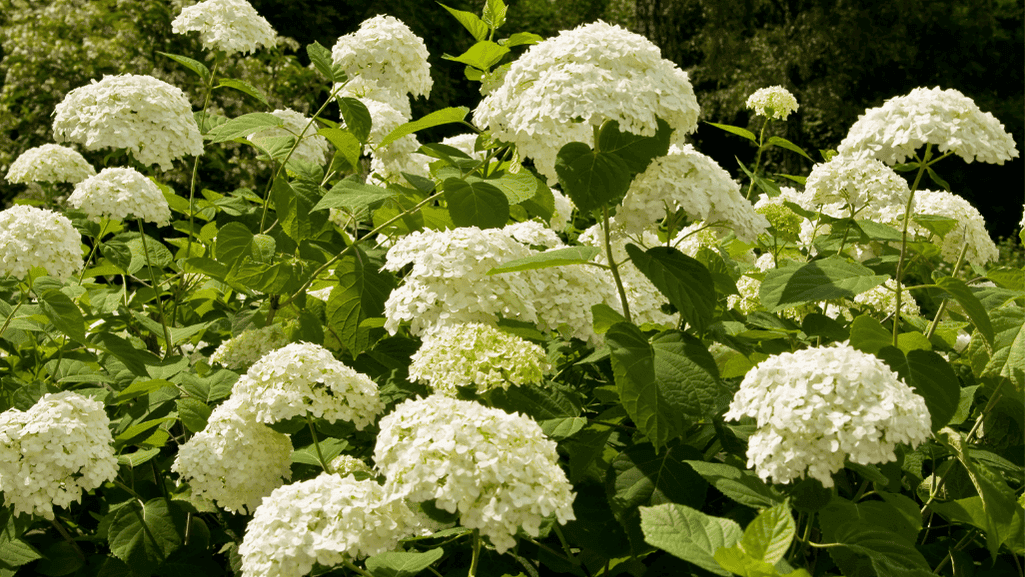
{"x": 562, "y": 341}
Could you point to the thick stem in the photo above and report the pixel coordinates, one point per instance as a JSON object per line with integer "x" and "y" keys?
{"x": 613, "y": 266}
{"x": 476, "y": 554}
{"x": 316, "y": 445}
{"x": 904, "y": 238}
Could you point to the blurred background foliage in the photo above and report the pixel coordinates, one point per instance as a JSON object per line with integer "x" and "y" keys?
{"x": 838, "y": 57}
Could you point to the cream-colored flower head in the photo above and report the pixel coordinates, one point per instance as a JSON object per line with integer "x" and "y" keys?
{"x": 385, "y": 51}
{"x": 146, "y": 116}
{"x": 559, "y": 89}
{"x": 242, "y": 350}
{"x": 773, "y": 102}
{"x": 31, "y": 237}
{"x": 970, "y": 228}
{"x": 120, "y": 193}
{"x": 946, "y": 118}
{"x": 49, "y": 163}
{"x": 228, "y": 25}
{"x": 873, "y": 189}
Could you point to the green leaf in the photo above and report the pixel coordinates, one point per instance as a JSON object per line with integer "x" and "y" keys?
{"x": 899, "y": 513}
{"x": 938, "y": 225}
{"x": 353, "y": 197}
{"x": 683, "y": 280}
{"x": 234, "y": 243}
{"x": 636, "y": 151}
{"x": 972, "y": 511}
{"x": 640, "y": 477}
{"x": 768, "y": 537}
{"x": 539, "y": 403}
{"x": 356, "y": 116}
{"x": 294, "y": 203}
{"x": 482, "y": 55}
{"x": 243, "y": 126}
{"x": 936, "y": 178}
{"x": 633, "y": 365}
{"x": 143, "y": 535}
{"x": 138, "y": 457}
{"x": 322, "y": 60}
{"x": 870, "y": 546}
{"x": 15, "y": 553}
{"x": 470, "y": 21}
{"x": 556, "y": 257}
{"x": 521, "y": 38}
{"x": 135, "y": 360}
{"x": 689, "y": 534}
{"x": 784, "y": 143}
{"x": 519, "y": 187}
{"x": 193, "y": 413}
{"x": 345, "y": 143}
{"x": 402, "y": 563}
{"x": 830, "y": 278}
{"x": 118, "y": 253}
{"x": 329, "y": 447}
{"x": 603, "y": 317}
{"x": 63, "y": 313}
{"x": 736, "y": 130}
{"x": 971, "y": 305}
{"x": 494, "y": 13}
{"x": 361, "y": 292}
{"x": 868, "y": 335}
{"x": 741, "y": 485}
{"x": 876, "y": 231}
{"x": 476, "y": 204}
{"x": 193, "y": 65}
{"x": 686, "y": 374}
{"x": 436, "y": 118}
{"x": 245, "y": 88}
{"x": 721, "y": 276}
{"x": 1008, "y": 358}
{"x": 931, "y": 377}
{"x": 591, "y": 179}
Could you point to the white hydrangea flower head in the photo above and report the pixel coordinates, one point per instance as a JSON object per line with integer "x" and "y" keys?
{"x": 235, "y": 460}
{"x": 386, "y": 51}
{"x": 304, "y": 379}
{"x": 49, "y": 163}
{"x": 563, "y": 214}
{"x": 365, "y": 89}
{"x": 148, "y": 117}
{"x": 562, "y": 87}
{"x": 946, "y": 118}
{"x": 227, "y": 25}
{"x": 325, "y": 521}
{"x": 533, "y": 233}
{"x": 748, "y": 286}
{"x": 970, "y": 229}
{"x": 694, "y": 237}
{"x": 1022, "y": 223}
{"x": 241, "y": 351}
{"x": 120, "y": 193}
{"x": 786, "y": 222}
{"x": 883, "y": 300}
{"x": 497, "y": 470}
{"x": 31, "y": 237}
{"x": 53, "y": 452}
{"x": 478, "y": 355}
{"x": 873, "y": 189}
{"x": 688, "y": 180}
{"x": 773, "y": 102}
{"x": 312, "y": 148}
{"x": 816, "y": 407}
{"x": 399, "y": 156}
{"x": 344, "y": 465}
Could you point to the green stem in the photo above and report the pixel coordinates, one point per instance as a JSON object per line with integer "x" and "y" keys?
{"x": 195, "y": 163}
{"x": 904, "y": 237}
{"x": 943, "y": 303}
{"x": 758, "y": 158}
{"x": 156, "y": 293}
{"x": 613, "y": 266}
{"x": 316, "y": 445}
{"x": 476, "y": 554}
{"x": 348, "y": 565}
{"x": 67, "y": 537}
{"x": 24, "y": 296}
{"x": 92, "y": 251}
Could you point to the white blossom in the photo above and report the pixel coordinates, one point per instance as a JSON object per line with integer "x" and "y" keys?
{"x": 120, "y": 193}
{"x": 312, "y": 147}
{"x": 773, "y": 102}
{"x": 53, "y": 452}
{"x": 562, "y": 217}
{"x": 49, "y": 163}
{"x": 228, "y": 25}
{"x": 241, "y": 351}
{"x": 559, "y": 89}
{"x": 31, "y": 237}
{"x": 496, "y": 470}
{"x": 816, "y": 407}
{"x": 386, "y": 51}
{"x": 946, "y": 118}
{"x": 147, "y": 116}
{"x": 871, "y": 188}
{"x": 970, "y": 227}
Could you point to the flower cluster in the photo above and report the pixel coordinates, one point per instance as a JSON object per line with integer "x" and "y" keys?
{"x": 325, "y": 521}
{"x": 817, "y": 406}
{"x": 31, "y": 237}
{"x": 235, "y": 460}
{"x": 49, "y": 163}
{"x": 496, "y": 470}
{"x": 969, "y": 231}
{"x": 147, "y": 116}
{"x": 475, "y": 354}
{"x": 786, "y": 222}
{"x": 559, "y": 89}
{"x": 946, "y": 118}
{"x": 688, "y": 180}
{"x": 303, "y": 379}
{"x": 385, "y": 51}
{"x": 773, "y": 102}
{"x": 228, "y": 25}
{"x": 869, "y": 187}
{"x": 390, "y": 161}
{"x": 53, "y": 452}
{"x": 119, "y": 193}
{"x": 312, "y": 147}
{"x": 241, "y": 351}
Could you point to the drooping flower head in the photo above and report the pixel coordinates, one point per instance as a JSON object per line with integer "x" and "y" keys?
{"x": 946, "y": 118}
{"x": 235, "y": 460}
{"x": 386, "y": 51}
{"x": 325, "y": 521}
{"x": 873, "y": 189}
{"x": 241, "y": 351}
{"x": 479, "y": 355}
{"x": 148, "y": 117}
{"x": 228, "y": 25}
{"x": 496, "y": 470}
{"x": 562, "y": 87}
{"x": 816, "y": 407}
{"x": 312, "y": 147}
{"x": 970, "y": 229}
{"x": 49, "y": 163}
{"x": 31, "y": 237}
{"x": 688, "y": 180}
{"x": 303, "y": 379}
{"x": 53, "y": 452}
{"x": 120, "y": 193}
{"x": 773, "y": 102}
